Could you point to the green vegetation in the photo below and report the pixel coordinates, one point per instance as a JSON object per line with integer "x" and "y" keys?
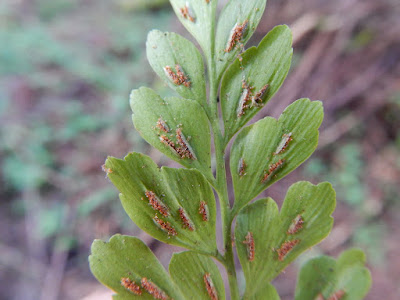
{"x": 177, "y": 206}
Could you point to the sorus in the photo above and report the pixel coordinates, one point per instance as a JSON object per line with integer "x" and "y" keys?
{"x": 153, "y": 289}
{"x": 286, "y": 139}
{"x": 257, "y": 99}
{"x": 179, "y": 78}
{"x": 187, "y": 13}
{"x": 166, "y": 226}
{"x": 157, "y": 204}
{"x": 285, "y": 248}
{"x": 212, "y": 292}
{"x": 236, "y": 35}
{"x": 162, "y": 125}
{"x": 185, "y": 219}
{"x": 249, "y": 242}
{"x": 168, "y": 142}
{"x": 242, "y": 167}
{"x": 296, "y": 225}
{"x": 184, "y": 150}
{"x": 203, "y": 210}
{"x": 272, "y": 168}
{"x": 245, "y": 98}
{"x": 131, "y": 286}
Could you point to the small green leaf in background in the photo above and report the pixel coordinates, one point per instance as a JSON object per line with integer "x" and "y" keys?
{"x": 159, "y": 121}
{"x": 169, "y": 51}
{"x": 125, "y": 257}
{"x": 270, "y": 149}
{"x": 279, "y": 238}
{"x": 199, "y": 19}
{"x": 165, "y": 202}
{"x": 324, "y": 277}
{"x": 235, "y": 14}
{"x": 258, "y": 74}
{"x": 190, "y": 271}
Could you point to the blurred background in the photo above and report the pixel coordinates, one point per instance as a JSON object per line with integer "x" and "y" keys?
{"x": 66, "y": 70}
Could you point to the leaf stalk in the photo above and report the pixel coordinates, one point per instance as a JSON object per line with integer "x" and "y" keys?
{"x": 221, "y": 184}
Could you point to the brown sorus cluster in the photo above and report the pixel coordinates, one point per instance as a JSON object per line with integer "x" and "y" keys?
{"x": 203, "y": 210}
{"x": 208, "y": 1}
{"x": 249, "y": 242}
{"x": 257, "y": 99}
{"x": 236, "y": 35}
{"x": 182, "y": 77}
{"x": 185, "y": 12}
{"x": 272, "y": 169}
{"x": 242, "y": 167}
{"x": 245, "y": 98}
{"x": 105, "y": 169}
{"x": 337, "y": 295}
{"x": 184, "y": 150}
{"x": 171, "y": 74}
{"x": 285, "y": 248}
{"x": 166, "y": 226}
{"x": 162, "y": 125}
{"x": 166, "y": 141}
{"x": 153, "y": 289}
{"x": 157, "y": 204}
{"x": 185, "y": 220}
{"x": 179, "y": 77}
{"x": 286, "y": 139}
{"x": 212, "y": 292}
{"x": 296, "y": 225}
{"x": 131, "y": 286}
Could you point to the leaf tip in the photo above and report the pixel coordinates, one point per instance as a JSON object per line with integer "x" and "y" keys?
{"x": 285, "y": 29}
{"x": 154, "y": 33}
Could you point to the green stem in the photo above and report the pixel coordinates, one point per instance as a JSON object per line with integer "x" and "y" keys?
{"x": 225, "y": 215}
{"x": 221, "y": 184}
